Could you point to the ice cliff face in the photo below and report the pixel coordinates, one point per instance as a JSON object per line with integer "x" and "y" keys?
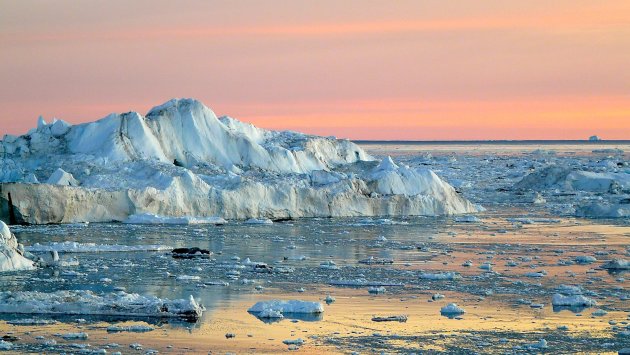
{"x": 181, "y": 160}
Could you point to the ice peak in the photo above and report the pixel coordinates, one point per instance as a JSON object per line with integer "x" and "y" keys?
{"x": 41, "y": 122}
{"x": 177, "y": 104}
{"x": 387, "y": 164}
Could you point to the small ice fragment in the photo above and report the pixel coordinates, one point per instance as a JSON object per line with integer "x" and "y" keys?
{"x": 572, "y": 301}
{"x": 376, "y": 290}
{"x": 80, "y": 335}
{"x": 452, "y": 308}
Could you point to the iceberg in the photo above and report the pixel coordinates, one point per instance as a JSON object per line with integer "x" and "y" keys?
{"x": 182, "y": 164}
{"x": 568, "y": 179}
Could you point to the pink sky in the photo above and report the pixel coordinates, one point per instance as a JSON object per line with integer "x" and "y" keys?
{"x": 361, "y": 69}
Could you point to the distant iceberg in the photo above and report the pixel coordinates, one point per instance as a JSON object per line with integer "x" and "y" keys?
{"x": 182, "y": 164}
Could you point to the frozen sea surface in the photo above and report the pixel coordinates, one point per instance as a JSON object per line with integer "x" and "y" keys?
{"x": 503, "y": 268}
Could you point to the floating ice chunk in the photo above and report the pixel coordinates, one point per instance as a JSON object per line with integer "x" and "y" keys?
{"x": 572, "y": 301}
{"x": 258, "y": 221}
{"x": 537, "y": 274}
{"x": 329, "y": 265}
{"x": 6, "y": 345}
{"x": 467, "y": 219}
{"x": 292, "y": 306}
{"x": 70, "y": 336}
{"x": 538, "y": 199}
{"x": 585, "y": 259}
{"x": 603, "y": 209}
{"x": 617, "y": 264}
{"x": 486, "y": 266}
{"x": 440, "y": 276}
{"x": 148, "y": 218}
{"x": 541, "y": 344}
{"x": 76, "y": 247}
{"x": 437, "y": 296}
{"x": 297, "y": 341}
{"x": 86, "y": 302}
{"x": 376, "y": 290}
{"x": 452, "y": 308}
{"x": 188, "y": 278}
{"x": 31, "y": 321}
{"x": 599, "y": 313}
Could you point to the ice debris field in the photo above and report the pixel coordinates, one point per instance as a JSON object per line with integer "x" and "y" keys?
{"x": 408, "y": 248}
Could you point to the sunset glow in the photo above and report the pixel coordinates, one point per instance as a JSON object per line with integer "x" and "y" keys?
{"x": 405, "y": 70}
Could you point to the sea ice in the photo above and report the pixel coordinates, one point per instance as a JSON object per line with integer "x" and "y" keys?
{"x": 572, "y": 301}
{"x": 617, "y": 264}
{"x": 440, "y": 276}
{"x": 86, "y": 302}
{"x": 292, "y": 306}
{"x": 452, "y": 308}
{"x": 77, "y": 247}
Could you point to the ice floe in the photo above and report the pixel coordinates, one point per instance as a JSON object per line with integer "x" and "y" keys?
{"x": 77, "y": 247}
{"x": 572, "y": 301}
{"x": 291, "y": 306}
{"x": 148, "y": 218}
{"x": 452, "y": 309}
{"x": 85, "y": 302}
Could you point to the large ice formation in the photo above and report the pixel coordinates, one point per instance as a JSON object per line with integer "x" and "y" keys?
{"x": 181, "y": 160}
